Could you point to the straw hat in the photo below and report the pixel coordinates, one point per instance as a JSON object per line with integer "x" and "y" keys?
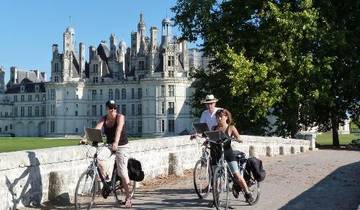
{"x": 209, "y": 99}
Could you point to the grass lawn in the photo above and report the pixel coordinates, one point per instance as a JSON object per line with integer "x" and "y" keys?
{"x": 326, "y": 138}
{"x": 11, "y": 144}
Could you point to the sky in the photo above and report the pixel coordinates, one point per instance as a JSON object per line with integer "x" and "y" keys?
{"x": 29, "y": 28}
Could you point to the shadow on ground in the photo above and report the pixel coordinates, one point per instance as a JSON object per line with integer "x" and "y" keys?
{"x": 341, "y": 189}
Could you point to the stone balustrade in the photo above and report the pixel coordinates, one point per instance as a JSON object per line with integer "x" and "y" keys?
{"x": 41, "y": 175}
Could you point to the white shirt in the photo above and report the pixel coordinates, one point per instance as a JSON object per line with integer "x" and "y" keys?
{"x": 209, "y": 118}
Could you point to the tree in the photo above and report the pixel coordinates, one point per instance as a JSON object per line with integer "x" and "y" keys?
{"x": 296, "y": 60}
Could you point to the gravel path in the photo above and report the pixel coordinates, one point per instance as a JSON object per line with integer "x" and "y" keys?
{"x": 326, "y": 179}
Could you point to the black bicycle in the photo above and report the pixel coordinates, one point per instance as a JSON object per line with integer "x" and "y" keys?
{"x": 223, "y": 180}
{"x": 92, "y": 187}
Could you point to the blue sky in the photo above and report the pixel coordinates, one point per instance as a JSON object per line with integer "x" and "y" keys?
{"x": 30, "y": 27}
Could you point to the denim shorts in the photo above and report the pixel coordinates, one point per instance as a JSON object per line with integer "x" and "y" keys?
{"x": 234, "y": 167}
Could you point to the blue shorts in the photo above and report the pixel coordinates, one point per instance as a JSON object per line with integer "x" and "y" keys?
{"x": 234, "y": 167}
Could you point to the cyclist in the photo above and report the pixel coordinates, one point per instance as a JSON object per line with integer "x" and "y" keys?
{"x": 225, "y": 124}
{"x": 113, "y": 125}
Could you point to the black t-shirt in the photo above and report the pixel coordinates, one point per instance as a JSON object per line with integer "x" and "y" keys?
{"x": 215, "y": 150}
{"x": 110, "y": 132}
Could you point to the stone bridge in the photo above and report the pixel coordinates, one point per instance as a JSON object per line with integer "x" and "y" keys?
{"x": 44, "y": 174}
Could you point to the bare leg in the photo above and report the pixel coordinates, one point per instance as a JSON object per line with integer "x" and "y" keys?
{"x": 241, "y": 181}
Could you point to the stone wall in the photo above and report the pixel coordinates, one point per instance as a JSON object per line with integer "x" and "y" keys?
{"x": 29, "y": 176}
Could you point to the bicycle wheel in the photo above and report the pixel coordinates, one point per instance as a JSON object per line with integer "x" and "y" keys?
{"x": 254, "y": 188}
{"x": 119, "y": 191}
{"x": 221, "y": 189}
{"x": 201, "y": 178}
{"x": 85, "y": 190}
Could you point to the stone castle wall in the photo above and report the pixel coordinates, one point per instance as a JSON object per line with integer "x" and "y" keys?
{"x": 31, "y": 175}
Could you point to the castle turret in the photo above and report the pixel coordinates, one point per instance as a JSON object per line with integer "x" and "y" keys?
{"x": 82, "y": 59}
{"x": 141, "y": 32}
{"x": 166, "y": 32}
{"x": 69, "y": 49}
{"x": 2, "y": 81}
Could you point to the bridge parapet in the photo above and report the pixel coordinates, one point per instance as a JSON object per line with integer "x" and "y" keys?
{"x": 27, "y": 176}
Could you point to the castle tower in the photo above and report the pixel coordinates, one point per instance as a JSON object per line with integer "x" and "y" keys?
{"x": 69, "y": 50}
{"x": 113, "y": 54}
{"x": 166, "y": 32}
{"x": 82, "y": 59}
{"x": 141, "y": 32}
{"x": 2, "y": 81}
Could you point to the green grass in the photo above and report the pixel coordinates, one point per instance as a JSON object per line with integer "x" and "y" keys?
{"x": 11, "y": 144}
{"x": 326, "y": 138}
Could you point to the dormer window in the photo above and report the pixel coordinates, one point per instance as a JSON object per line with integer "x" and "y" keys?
{"x": 36, "y": 88}
{"x": 22, "y": 88}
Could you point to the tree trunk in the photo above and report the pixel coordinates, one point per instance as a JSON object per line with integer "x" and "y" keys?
{"x": 335, "y": 132}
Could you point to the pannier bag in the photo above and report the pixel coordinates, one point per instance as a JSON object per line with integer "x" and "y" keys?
{"x": 135, "y": 171}
{"x": 255, "y": 166}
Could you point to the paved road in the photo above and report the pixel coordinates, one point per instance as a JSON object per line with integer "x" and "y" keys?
{"x": 326, "y": 179}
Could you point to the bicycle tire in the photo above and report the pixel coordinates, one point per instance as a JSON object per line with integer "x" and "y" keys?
{"x": 201, "y": 171}
{"x": 85, "y": 190}
{"x": 221, "y": 193}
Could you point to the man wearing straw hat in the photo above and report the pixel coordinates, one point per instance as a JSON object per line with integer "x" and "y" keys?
{"x": 208, "y": 115}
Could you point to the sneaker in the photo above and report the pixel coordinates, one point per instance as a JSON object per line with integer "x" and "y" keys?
{"x": 249, "y": 198}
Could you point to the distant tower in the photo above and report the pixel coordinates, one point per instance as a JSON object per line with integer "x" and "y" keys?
{"x": 2, "y": 81}
{"x": 69, "y": 50}
{"x": 82, "y": 59}
{"x": 113, "y": 54}
{"x": 141, "y": 32}
{"x": 166, "y": 32}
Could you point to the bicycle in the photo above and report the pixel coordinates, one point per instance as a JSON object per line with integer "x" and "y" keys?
{"x": 223, "y": 180}
{"x": 89, "y": 191}
{"x": 202, "y": 174}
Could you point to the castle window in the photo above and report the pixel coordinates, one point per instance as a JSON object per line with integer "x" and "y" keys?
{"x": 22, "y": 98}
{"x": 171, "y": 90}
{"x": 123, "y": 109}
{"x": 111, "y": 94}
{"x": 56, "y": 79}
{"x": 29, "y": 97}
{"x": 93, "y": 110}
{"x": 162, "y": 90}
{"x": 132, "y": 93}
{"x": 30, "y": 111}
{"x": 139, "y": 126}
{"x": 36, "y": 88}
{"x": 141, "y": 65}
{"x": 93, "y": 94}
{"x": 162, "y": 107}
{"x": 56, "y": 67}
{"x": 95, "y": 79}
{"x": 171, "y": 126}
{"x": 171, "y": 108}
{"x": 171, "y": 61}
{"x": 22, "y": 88}
{"x": 37, "y": 97}
{"x": 162, "y": 126}
{"x": 117, "y": 94}
{"x": 76, "y": 113}
{"x": 22, "y": 111}
{"x": 123, "y": 93}
{"x": 36, "y": 111}
{"x": 15, "y": 98}
{"x": 139, "y": 93}
{"x": 132, "y": 109}
{"x": 139, "y": 109}
{"x": 52, "y": 126}
{"x": 95, "y": 68}
{"x": 171, "y": 73}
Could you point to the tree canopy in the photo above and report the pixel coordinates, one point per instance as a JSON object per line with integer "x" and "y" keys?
{"x": 294, "y": 60}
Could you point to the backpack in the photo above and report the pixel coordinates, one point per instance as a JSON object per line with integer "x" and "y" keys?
{"x": 135, "y": 171}
{"x": 255, "y": 166}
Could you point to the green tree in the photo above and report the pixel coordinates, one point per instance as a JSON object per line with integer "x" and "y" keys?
{"x": 296, "y": 60}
